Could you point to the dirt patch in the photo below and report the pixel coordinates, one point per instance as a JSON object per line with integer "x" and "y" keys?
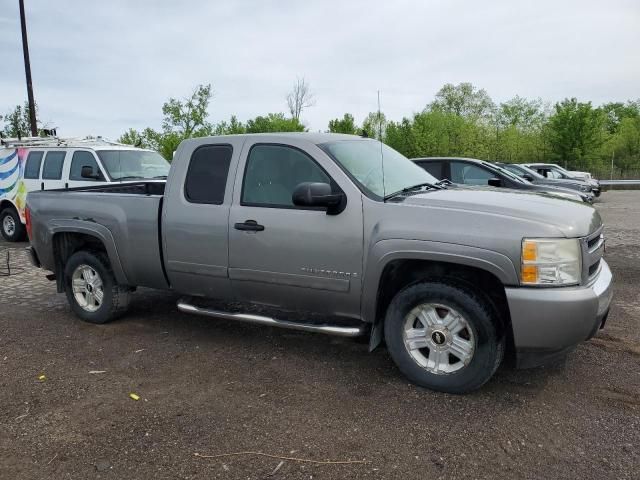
{"x": 214, "y": 387}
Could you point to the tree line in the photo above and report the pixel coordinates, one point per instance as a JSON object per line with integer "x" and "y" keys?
{"x": 462, "y": 120}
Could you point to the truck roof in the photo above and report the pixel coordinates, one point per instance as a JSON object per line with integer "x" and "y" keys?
{"x": 312, "y": 137}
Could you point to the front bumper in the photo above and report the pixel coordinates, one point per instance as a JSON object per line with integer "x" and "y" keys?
{"x": 550, "y": 321}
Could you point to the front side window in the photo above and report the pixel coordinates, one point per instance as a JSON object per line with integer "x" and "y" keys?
{"x": 274, "y": 171}
{"x": 207, "y": 175}
{"x": 81, "y": 159}
{"x": 32, "y": 168}
{"x": 53, "y": 164}
{"x": 134, "y": 164}
{"x": 469, "y": 174}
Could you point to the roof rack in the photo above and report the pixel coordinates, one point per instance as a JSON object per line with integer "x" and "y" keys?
{"x": 56, "y": 142}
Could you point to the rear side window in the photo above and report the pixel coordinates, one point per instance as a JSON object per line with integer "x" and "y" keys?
{"x": 83, "y": 159}
{"x": 207, "y": 174}
{"x": 434, "y": 168}
{"x": 32, "y": 169}
{"x": 53, "y": 163}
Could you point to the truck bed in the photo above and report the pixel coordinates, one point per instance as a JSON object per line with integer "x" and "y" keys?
{"x": 129, "y": 213}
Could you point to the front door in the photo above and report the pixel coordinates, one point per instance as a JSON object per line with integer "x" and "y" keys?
{"x": 287, "y": 256}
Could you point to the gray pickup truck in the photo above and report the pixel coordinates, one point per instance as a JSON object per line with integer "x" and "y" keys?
{"x": 341, "y": 235}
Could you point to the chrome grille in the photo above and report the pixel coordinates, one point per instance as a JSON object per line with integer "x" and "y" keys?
{"x": 592, "y": 251}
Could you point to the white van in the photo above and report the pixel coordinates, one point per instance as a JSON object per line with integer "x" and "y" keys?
{"x": 53, "y": 163}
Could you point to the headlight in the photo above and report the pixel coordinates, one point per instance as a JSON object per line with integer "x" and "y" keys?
{"x": 585, "y": 188}
{"x": 550, "y": 261}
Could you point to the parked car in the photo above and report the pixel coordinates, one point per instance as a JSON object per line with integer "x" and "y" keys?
{"x": 53, "y": 163}
{"x": 551, "y": 170}
{"x": 537, "y": 179}
{"x": 469, "y": 171}
{"x": 345, "y": 230}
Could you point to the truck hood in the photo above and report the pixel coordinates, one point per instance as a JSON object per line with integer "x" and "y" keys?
{"x": 573, "y": 219}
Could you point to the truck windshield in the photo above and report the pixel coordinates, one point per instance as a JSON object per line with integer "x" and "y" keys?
{"x": 133, "y": 164}
{"x": 378, "y": 169}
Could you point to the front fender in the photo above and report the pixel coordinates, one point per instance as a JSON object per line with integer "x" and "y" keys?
{"x": 386, "y": 251}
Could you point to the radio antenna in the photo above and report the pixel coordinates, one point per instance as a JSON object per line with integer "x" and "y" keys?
{"x": 384, "y": 191}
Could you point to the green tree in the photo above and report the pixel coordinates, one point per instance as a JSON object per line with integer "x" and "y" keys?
{"x": 400, "y": 136}
{"x": 274, "y": 122}
{"x": 346, "y": 124}
{"x": 375, "y": 125}
{"x": 616, "y": 112}
{"x": 188, "y": 116}
{"x": 576, "y": 132}
{"x": 184, "y": 118}
{"x": 17, "y": 122}
{"x": 133, "y": 137}
{"x": 463, "y": 100}
{"x": 233, "y": 127}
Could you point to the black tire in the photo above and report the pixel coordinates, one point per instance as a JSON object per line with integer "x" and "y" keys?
{"x": 479, "y": 315}
{"x": 19, "y": 232}
{"x": 115, "y": 298}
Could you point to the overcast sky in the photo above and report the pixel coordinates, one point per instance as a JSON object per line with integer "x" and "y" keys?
{"x": 102, "y": 67}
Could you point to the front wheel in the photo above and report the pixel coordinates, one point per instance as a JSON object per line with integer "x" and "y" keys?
{"x": 91, "y": 288}
{"x": 11, "y": 226}
{"x": 443, "y": 337}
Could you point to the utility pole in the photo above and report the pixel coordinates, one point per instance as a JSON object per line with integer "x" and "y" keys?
{"x": 27, "y": 71}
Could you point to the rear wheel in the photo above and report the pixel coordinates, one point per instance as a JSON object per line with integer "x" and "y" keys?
{"x": 443, "y": 337}
{"x": 11, "y": 226}
{"x": 92, "y": 290}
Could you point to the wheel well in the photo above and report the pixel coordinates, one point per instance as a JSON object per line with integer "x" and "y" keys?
{"x": 7, "y": 204}
{"x": 399, "y": 274}
{"x": 66, "y": 244}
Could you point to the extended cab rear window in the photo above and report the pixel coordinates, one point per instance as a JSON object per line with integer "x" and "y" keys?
{"x": 207, "y": 174}
{"x": 32, "y": 169}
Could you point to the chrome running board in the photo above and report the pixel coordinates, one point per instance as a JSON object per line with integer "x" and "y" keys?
{"x": 337, "y": 330}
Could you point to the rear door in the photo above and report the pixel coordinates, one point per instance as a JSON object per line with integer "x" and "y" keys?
{"x": 52, "y": 169}
{"x": 295, "y": 258}
{"x": 195, "y": 219}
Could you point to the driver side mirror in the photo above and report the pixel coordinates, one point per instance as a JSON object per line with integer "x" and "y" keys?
{"x": 87, "y": 172}
{"x": 310, "y": 194}
{"x": 527, "y": 177}
{"x": 494, "y": 182}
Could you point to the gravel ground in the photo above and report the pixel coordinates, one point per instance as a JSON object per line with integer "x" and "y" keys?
{"x": 213, "y": 387}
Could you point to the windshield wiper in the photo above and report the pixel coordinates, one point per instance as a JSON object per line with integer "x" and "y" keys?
{"x": 413, "y": 188}
{"x": 161, "y": 177}
{"x": 443, "y": 182}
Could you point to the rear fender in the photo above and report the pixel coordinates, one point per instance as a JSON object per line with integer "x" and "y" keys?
{"x": 100, "y": 232}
